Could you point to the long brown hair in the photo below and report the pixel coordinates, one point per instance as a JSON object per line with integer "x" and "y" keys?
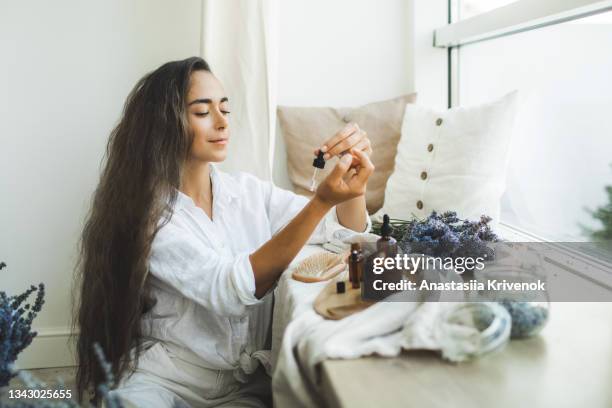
{"x": 138, "y": 184}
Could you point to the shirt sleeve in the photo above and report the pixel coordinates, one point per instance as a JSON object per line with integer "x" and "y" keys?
{"x": 225, "y": 285}
{"x": 283, "y": 205}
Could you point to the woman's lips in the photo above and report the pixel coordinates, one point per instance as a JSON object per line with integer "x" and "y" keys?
{"x": 218, "y": 141}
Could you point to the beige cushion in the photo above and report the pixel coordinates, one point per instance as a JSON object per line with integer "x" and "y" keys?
{"x": 306, "y": 128}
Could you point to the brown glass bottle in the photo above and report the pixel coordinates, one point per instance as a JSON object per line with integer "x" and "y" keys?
{"x": 387, "y": 247}
{"x": 386, "y": 244}
{"x": 356, "y": 264}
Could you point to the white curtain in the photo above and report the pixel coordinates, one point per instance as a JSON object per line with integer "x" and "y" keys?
{"x": 239, "y": 43}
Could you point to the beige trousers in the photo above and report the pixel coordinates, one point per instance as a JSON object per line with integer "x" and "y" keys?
{"x": 163, "y": 380}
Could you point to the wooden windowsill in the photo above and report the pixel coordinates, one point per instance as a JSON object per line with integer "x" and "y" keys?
{"x": 569, "y": 364}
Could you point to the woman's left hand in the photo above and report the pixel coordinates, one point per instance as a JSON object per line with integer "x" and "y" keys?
{"x": 351, "y": 137}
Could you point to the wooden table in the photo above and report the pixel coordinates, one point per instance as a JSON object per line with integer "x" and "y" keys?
{"x": 568, "y": 365}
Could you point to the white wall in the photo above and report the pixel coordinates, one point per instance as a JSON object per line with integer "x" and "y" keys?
{"x": 343, "y": 52}
{"x": 351, "y": 52}
{"x": 66, "y": 69}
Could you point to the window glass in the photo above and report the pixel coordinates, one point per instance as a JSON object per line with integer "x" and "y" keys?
{"x": 561, "y": 157}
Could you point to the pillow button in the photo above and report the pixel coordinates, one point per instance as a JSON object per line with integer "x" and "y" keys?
{"x": 429, "y": 147}
{"x": 423, "y": 175}
{"x": 438, "y": 121}
{"x": 419, "y": 205}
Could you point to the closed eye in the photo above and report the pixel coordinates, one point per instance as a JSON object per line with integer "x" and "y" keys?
{"x": 206, "y": 113}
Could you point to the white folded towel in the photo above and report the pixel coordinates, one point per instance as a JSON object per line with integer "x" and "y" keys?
{"x": 301, "y": 339}
{"x": 378, "y": 329}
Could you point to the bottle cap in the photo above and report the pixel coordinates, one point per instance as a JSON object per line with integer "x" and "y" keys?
{"x": 355, "y": 246}
{"x": 319, "y": 161}
{"x": 386, "y": 230}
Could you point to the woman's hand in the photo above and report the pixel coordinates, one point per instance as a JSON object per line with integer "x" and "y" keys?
{"x": 351, "y": 137}
{"x": 346, "y": 181}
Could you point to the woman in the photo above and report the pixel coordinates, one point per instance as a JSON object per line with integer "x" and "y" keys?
{"x": 178, "y": 259}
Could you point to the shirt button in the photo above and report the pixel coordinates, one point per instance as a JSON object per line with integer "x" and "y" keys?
{"x": 423, "y": 175}
{"x": 429, "y": 147}
{"x": 419, "y": 205}
{"x": 438, "y": 121}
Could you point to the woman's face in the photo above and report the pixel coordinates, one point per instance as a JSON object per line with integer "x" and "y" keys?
{"x": 207, "y": 110}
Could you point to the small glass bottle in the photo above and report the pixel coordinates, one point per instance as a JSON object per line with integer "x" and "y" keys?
{"x": 318, "y": 163}
{"x": 356, "y": 261}
{"x": 387, "y": 247}
{"x": 387, "y": 244}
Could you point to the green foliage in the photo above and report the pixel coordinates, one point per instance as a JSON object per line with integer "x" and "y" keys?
{"x": 604, "y": 215}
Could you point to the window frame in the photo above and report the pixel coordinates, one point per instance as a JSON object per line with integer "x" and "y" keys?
{"x": 515, "y": 18}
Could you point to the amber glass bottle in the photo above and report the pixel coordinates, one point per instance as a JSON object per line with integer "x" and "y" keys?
{"x": 356, "y": 264}
{"x": 387, "y": 244}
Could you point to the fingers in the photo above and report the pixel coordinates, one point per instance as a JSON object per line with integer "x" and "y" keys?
{"x": 346, "y": 144}
{"x": 343, "y": 133}
{"x": 346, "y": 131}
{"x": 366, "y": 168}
{"x": 343, "y": 165}
{"x": 364, "y": 145}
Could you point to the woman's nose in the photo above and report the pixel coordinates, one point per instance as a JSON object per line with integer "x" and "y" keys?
{"x": 220, "y": 120}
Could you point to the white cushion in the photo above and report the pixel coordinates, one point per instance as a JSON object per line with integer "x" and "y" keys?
{"x": 465, "y": 171}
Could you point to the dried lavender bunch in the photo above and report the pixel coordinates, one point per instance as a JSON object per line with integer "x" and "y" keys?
{"x": 16, "y": 326}
{"x": 446, "y": 235}
{"x": 432, "y": 237}
{"x": 31, "y": 383}
{"x": 16, "y": 334}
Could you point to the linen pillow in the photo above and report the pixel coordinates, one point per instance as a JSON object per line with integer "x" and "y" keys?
{"x": 306, "y": 128}
{"x": 452, "y": 160}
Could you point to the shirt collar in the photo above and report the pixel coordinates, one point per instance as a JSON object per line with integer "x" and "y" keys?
{"x": 223, "y": 185}
{"x": 224, "y": 189}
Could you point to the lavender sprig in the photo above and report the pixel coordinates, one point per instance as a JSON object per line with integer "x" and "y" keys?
{"x": 16, "y": 317}
{"x": 32, "y": 383}
{"x": 16, "y": 333}
{"x": 110, "y": 401}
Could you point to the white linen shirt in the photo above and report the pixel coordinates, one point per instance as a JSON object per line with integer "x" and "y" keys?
{"x": 201, "y": 276}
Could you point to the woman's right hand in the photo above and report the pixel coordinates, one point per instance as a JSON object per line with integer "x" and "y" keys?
{"x": 346, "y": 181}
